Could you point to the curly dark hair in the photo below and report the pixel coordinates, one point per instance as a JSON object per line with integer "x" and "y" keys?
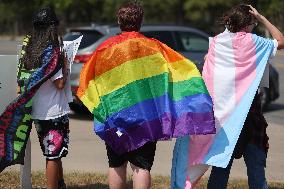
{"x": 130, "y": 16}
{"x": 237, "y": 18}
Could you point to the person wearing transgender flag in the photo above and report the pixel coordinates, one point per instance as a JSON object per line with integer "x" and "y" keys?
{"x": 235, "y": 67}
{"x": 253, "y": 140}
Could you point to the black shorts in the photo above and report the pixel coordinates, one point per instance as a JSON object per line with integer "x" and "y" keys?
{"x": 53, "y": 137}
{"x": 142, "y": 157}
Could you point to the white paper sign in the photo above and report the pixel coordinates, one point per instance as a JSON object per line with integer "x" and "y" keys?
{"x": 8, "y": 72}
{"x": 8, "y": 80}
{"x": 71, "y": 48}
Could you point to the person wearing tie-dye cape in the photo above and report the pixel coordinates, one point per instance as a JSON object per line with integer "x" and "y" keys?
{"x": 141, "y": 91}
{"x": 235, "y": 67}
{"x": 43, "y": 99}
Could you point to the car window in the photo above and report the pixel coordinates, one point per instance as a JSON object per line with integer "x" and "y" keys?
{"x": 89, "y": 37}
{"x": 188, "y": 41}
{"x": 163, "y": 36}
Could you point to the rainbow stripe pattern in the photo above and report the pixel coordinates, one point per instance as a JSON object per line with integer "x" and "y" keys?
{"x": 141, "y": 90}
{"x": 232, "y": 72}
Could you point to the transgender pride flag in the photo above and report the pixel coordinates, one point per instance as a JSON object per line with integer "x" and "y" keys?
{"x": 232, "y": 72}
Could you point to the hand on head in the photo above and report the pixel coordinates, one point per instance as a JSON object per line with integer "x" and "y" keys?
{"x": 255, "y": 13}
{"x": 275, "y": 32}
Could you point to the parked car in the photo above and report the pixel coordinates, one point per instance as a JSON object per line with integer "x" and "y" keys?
{"x": 272, "y": 93}
{"x": 190, "y": 42}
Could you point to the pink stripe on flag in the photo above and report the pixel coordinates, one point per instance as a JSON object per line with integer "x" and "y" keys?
{"x": 208, "y": 69}
{"x": 200, "y": 144}
{"x": 198, "y": 147}
{"x": 245, "y": 58}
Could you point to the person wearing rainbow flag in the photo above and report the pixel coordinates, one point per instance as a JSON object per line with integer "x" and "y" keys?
{"x": 141, "y": 91}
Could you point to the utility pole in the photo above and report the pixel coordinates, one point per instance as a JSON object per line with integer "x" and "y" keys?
{"x": 180, "y": 12}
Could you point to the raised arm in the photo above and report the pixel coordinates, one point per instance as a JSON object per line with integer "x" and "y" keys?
{"x": 276, "y": 34}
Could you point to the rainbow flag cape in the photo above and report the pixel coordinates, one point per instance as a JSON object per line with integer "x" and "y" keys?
{"x": 232, "y": 72}
{"x": 15, "y": 121}
{"x": 141, "y": 90}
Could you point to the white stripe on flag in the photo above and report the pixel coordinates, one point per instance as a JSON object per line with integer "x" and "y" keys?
{"x": 224, "y": 76}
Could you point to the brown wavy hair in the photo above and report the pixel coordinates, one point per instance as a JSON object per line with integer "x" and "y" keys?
{"x": 130, "y": 16}
{"x": 237, "y": 18}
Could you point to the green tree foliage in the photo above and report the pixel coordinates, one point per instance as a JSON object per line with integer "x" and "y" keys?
{"x": 206, "y": 13}
{"x": 203, "y": 14}
{"x": 274, "y": 10}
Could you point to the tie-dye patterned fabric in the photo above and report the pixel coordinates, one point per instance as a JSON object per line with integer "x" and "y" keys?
{"x": 15, "y": 121}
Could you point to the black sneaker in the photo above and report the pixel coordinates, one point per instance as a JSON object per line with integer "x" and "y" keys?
{"x": 61, "y": 184}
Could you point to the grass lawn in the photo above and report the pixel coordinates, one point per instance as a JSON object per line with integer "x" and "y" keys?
{"x": 11, "y": 180}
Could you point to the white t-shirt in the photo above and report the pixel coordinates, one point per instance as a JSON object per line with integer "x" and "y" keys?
{"x": 265, "y": 78}
{"x": 50, "y": 102}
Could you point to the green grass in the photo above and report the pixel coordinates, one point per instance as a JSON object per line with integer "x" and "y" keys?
{"x": 75, "y": 180}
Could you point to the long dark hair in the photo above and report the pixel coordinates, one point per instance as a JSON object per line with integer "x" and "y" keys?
{"x": 237, "y": 18}
{"x": 40, "y": 38}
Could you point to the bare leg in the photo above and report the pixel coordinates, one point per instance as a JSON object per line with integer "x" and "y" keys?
{"x": 52, "y": 173}
{"x": 60, "y": 175}
{"x": 141, "y": 178}
{"x": 117, "y": 177}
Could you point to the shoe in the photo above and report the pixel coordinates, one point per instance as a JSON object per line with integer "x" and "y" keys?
{"x": 61, "y": 184}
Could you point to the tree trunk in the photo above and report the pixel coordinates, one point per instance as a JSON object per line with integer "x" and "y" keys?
{"x": 180, "y": 12}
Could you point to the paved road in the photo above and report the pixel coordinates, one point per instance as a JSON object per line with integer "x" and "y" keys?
{"x": 87, "y": 151}
{"x": 8, "y": 47}
{"x": 275, "y": 113}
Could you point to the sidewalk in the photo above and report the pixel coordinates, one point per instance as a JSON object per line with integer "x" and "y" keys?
{"x": 87, "y": 153}
{"x": 281, "y": 52}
